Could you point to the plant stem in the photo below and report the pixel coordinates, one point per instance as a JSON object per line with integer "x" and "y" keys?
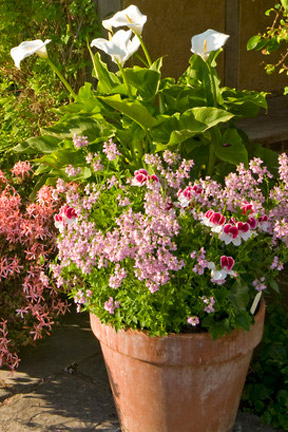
{"x": 124, "y": 78}
{"x": 61, "y": 77}
{"x": 145, "y": 50}
{"x": 92, "y": 57}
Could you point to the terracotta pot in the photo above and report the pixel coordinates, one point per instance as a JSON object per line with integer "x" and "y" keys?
{"x": 177, "y": 383}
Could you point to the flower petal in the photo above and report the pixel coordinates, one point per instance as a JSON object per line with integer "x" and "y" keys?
{"x": 210, "y": 40}
{"x": 130, "y": 17}
{"x": 27, "y": 48}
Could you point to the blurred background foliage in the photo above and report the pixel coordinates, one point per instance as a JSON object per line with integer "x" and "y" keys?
{"x": 27, "y": 96}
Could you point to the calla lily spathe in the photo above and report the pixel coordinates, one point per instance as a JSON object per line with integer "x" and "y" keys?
{"x": 27, "y": 48}
{"x": 120, "y": 47}
{"x": 210, "y": 40}
{"x": 130, "y": 17}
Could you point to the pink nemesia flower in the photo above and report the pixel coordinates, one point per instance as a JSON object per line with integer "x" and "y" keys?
{"x": 193, "y": 320}
{"x": 259, "y": 284}
{"x": 110, "y": 305}
{"x": 80, "y": 141}
{"x": 111, "y": 150}
{"x": 209, "y": 304}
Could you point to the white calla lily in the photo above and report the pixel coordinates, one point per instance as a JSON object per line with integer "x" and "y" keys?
{"x": 210, "y": 40}
{"x": 130, "y": 17}
{"x": 27, "y": 48}
{"x": 120, "y": 47}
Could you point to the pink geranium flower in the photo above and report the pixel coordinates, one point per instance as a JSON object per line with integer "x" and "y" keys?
{"x": 66, "y": 216}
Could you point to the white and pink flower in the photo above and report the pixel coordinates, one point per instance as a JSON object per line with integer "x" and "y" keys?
{"x": 244, "y": 230}
{"x": 141, "y": 177}
{"x": 193, "y": 320}
{"x": 66, "y": 216}
{"x": 214, "y": 220}
{"x": 263, "y": 223}
{"x": 230, "y": 234}
{"x": 219, "y": 276}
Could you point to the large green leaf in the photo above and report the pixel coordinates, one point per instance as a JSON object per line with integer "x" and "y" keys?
{"x": 41, "y": 144}
{"x": 173, "y": 130}
{"x": 244, "y": 103}
{"x": 85, "y": 102}
{"x": 232, "y": 148}
{"x": 93, "y": 126}
{"x": 61, "y": 158}
{"x": 134, "y": 109}
{"x": 146, "y": 81}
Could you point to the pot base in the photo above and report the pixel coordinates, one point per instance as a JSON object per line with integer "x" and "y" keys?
{"x": 177, "y": 383}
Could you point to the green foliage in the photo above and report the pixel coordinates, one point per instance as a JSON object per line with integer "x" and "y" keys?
{"x": 145, "y": 113}
{"x": 274, "y": 38}
{"x": 28, "y": 96}
{"x": 266, "y": 389}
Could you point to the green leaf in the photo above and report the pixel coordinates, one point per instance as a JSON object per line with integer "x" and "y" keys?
{"x": 231, "y": 149}
{"x": 275, "y": 286}
{"x": 244, "y": 103}
{"x": 61, "y": 158}
{"x": 253, "y": 42}
{"x": 106, "y": 80}
{"x": 240, "y": 295}
{"x": 178, "y": 128}
{"x": 146, "y": 81}
{"x": 42, "y": 144}
{"x": 132, "y": 109}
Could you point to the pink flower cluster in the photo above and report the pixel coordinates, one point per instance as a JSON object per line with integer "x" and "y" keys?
{"x": 22, "y": 170}
{"x": 27, "y": 243}
{"x": 111, "y": 150}
{"x": 200, "y": 239}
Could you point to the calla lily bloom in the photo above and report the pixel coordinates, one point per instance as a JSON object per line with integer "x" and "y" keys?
{"x": 27, "y": 48}
{"x": 120, "y": 47}
{"x": 210, "y": 40}
{"x": 130, "y": 17}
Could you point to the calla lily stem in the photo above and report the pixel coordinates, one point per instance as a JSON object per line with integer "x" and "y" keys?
{"x": 124, "y": 78}
{"x": 61, "y": 77}
{"x": 145, "y": 51}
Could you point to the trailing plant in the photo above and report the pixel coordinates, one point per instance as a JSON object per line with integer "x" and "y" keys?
{"x": 28, "y": 303}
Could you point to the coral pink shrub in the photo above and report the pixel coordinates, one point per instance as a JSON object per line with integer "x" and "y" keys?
{"x": 28, "y": 302}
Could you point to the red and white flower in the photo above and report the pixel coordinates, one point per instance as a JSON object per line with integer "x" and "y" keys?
{"x": 214, "y": 220}
{"x": 230, "y": 234}
{"x": 66, "y": 216}
{"x": 141, "y": 176}
{"x": 244, "y": 230}
{"x": 219, "y": 276}
{"x": 263, "y": 223}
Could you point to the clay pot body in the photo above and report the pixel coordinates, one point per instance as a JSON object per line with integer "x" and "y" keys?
{"x": 177, "y": 383}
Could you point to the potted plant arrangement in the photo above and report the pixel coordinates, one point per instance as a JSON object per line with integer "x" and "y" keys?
{"x": 169, "y": 235}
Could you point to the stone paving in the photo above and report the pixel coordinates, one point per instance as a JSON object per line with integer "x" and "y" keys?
{"x": 61, "y": 385}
